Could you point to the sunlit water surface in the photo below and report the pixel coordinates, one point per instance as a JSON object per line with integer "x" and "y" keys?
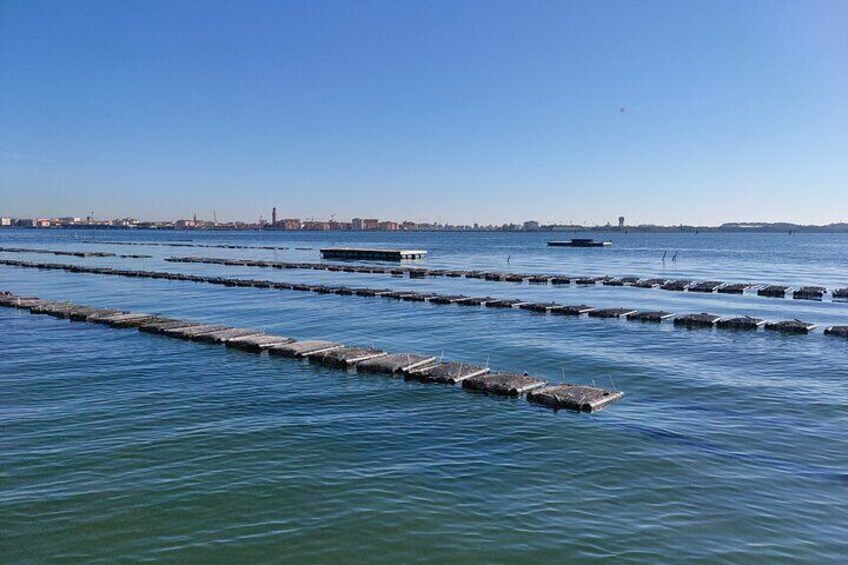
{"x": 728, "y": 446}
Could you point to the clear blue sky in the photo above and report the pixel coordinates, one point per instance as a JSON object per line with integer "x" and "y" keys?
{"x": 487, "y": 111}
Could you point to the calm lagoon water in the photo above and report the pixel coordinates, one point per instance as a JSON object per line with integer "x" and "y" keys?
{"x": 727, "y": 448}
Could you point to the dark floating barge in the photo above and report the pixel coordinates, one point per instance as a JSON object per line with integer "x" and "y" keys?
{"x": 579, "y": 242}
{"x": 359, "y": 253}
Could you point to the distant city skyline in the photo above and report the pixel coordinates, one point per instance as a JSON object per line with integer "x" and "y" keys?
{"x": 563, "y": 112}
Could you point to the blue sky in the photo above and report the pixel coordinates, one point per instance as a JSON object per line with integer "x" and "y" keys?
{"x": 492, "y": 111}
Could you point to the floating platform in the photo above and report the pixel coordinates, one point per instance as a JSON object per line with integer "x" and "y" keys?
{"x": 92, "y": 315}
{"x": 572, "y": 310}
{"x": 705, "y": 286}
{"x": 677, "y": 286}
{"x": 448, "y": 299}
{"x": 257, "y": 343}
{"x": 773, "y": 291}
{"x": 504, "y": 303}
{"x": 303, "y": 348}
{"x": 419, "y": 296}
{"x": 134, "y": 322}
{"x": 649, "y": 283}
{"x": 574, "y": 397}
{"x": 541, "y": 307}
{"x": 346, "y": 356}
{"x": 475, "y": 301}
{"x": 791, "y": 326}
{"x": 394, "y": 363}
{"x": 415, "y": 366}
{"x": 734, "y": 288}
{"x": 579, "y": 242}
{"x": 741, "y": 323}
{"x": 192, "y": 332}
{"x": 611, "y": 312}
{"x": 359, "y": 253}
{"x": 504, "y": 384}
{"x": 164, "y": 326}
{"x": 809, "y": 293}
{"x": 124, "y": 320}
{"x": 450, "y": 372}
{"x": 653, "y": 316}
{"x": 224, "y": 336}
{"x": 702, "y": 320}
{"x": 838, "y": 331}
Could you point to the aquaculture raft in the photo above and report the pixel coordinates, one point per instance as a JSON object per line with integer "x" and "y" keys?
{"x": 504, "y": 384}
{"x": 394, "y": 363}
{"x": 450, "y": 372}
{"x": 359, "y": 253}
{"x": 791, "y": 326}
{"x": 474, "y": 378}
{"x": 574, "y": 397}
{"x": 656, "y": 316}
{"x": 702, "y": 320}
{"x": 156, "y": 324}
{"x": 543, "y": 279}
{"x": 741, "y": 323}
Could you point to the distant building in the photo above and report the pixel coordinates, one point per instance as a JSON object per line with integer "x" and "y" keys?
{"x": 621, "y": 221}
{"x": 41, "y": 223}
{"x": 316, "y": 225}
{"x": 531, "y": 225}
{"x": 370, "y": 224}
{"x": 409, "y": 226}
{"x": 274, "y": 216}
{"x": 5, "y": 222}
{"x": 356, "y": 224}
{"x": 290, "y": 224}
{"x": 387, "y": 226}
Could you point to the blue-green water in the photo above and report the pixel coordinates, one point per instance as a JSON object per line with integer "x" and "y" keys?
{"x": 728, "y": 447}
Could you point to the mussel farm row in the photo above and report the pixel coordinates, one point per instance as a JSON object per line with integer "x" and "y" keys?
{"x": 411, "y": 366}
{"x": 691, "y": 320}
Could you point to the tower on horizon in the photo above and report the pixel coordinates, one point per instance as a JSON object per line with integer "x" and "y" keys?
{"x": 274, "y": 216}
{"x": 621, "y": 221}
